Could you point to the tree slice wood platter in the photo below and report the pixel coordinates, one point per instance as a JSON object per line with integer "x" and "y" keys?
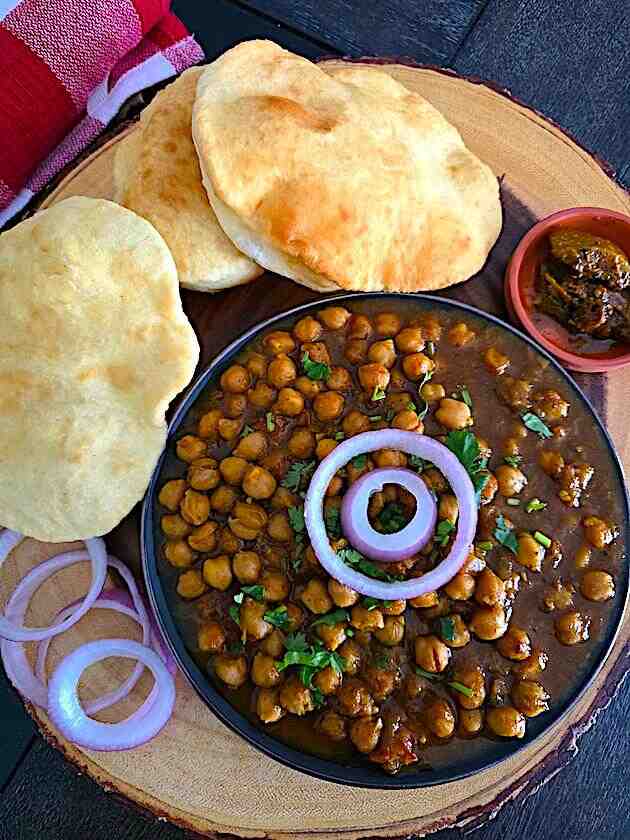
{"x": 199, "y": 774}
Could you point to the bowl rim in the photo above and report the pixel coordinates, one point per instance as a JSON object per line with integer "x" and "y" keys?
{"x": 575, "y": 361}
{"x": 325, "y": 769}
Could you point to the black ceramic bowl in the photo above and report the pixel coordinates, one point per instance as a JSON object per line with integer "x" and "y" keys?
{"x": 359, "y": 773}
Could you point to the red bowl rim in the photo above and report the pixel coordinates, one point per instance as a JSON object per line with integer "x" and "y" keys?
{"x": 574, "y": 361}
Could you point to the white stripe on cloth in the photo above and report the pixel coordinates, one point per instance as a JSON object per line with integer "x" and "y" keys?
{"x": 20, "y": 201}
{"x": 103, "y": 105}
{"x": 7, "y": 6}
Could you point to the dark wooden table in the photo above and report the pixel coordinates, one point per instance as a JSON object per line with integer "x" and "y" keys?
{"x": 570, "y": 60}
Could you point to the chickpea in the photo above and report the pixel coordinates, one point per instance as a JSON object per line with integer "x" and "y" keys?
{"x": 256, "y": 365}
{"x": 317, "y": 352}
{"x": 261, "y": 395}
{"x": 174, "y": 526}
{"x": 279, "y": 528}
{"x": 387, "y": 324}
{"x": 551, "y": 462}
{"x": 597, "y": 586}
{"x": 217, "y": 572}
{"x": 268, "y": 706}
{"x": 355, "y": 422}
{"x": 334, "y": 317}
{"x": 190, "y": 584}
{"x": 264, "y": 672}
{"x": 448, "y": 508}
{"x": 423, "y": 602}
{"x": 354, "y": 699}
{"x": 432, "y": 392}
{"x": 490, "y": 589}
{"x": 335, "y": 487}
{"x": 277, "y": 462}
{"x": 204, "y": 538}
{"x": 232, "y": 469}
{"x": 172, "y": 493}
{"x": 410, "y": 340}
{"x": 461, "y": 587}
{"x": 342, "y": 595}
{"x": 393, "y": 607}
{"x": 352, "y": 656}
{"x": 489, "y": 490}
{"x": 234, "y": 405}
{"x": 417, "y": 365}
{"x": 532, "y": 666}
{"x": 373, "y": 375}
{"x": 296, "y": 697}
{"x": 472, "y": 676}
{"x": 431, "y": 654}
{"x": 356, "y": 351}
{"x": 598, "y": 532}
{"x": 194, "y": 507}
{"x": 470, "y": 722}
{"x": 366, "y": 619}
{"x": 530, "y": 553}
{"x": 393, "y": 631}
{"x": 365, "y": 733}
{"x": 316, "y": 598}
{"x": 439, "y": 718}
{"x": 211, "y": 637}
{"x": 473, "y": 564}
{"x": 383, "y": 352}
{"x": 189, "y": 448}
{"x": 460, "y": 634}
{"x": 328, "y": 406}
{"x": 572, "y": 627}
{"x": 327, "y": 680}
{"x": 229, "y": 429}
{"x": 203, "y": 474}
{"x": 583, "y": 557}
{"x": 252, "y": 621}
{"x": 223, "y": 499}
{"x": 489, "y": 623}
{"x": 496, "y": 362}
{"x": 229, "y": 543}
{"x": 408, "y": 421}
{"x": 332, "y": 635}
{"x": 273, "y": 644}
{"x": 339, "y": 379}
{"x": 530, "y": 698}
{"x": 281, "y": 372}
{"x": 453, "y": 414}
{"x": 179, "y": 554}
{"x": 259, "y": 483}
{"x": 290, "y": 402}
{"x": 506, "y": 721}
{"x": 550, "y": 406}
{"x": 511, "y": 480}
{"x": 283, "y": 499}
{"x": 332, "y": 725}
{"x": 460, "y": 334}
{"x": 324, "y": 447}
{"x": 307, "y": 329}
{"x": 276, "y": 585}
{"x": 515, "y": 644}
{"x": 208, "y": 426}
{"x": 232, "y": 670}
{"x": 247, "y": 566}
{"x": 279, "y": 342}
{"x": 360, "y": 326}
{"x": 252, "y": 447}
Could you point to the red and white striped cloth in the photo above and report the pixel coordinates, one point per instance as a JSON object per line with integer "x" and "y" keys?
{"x": 66, "y": 67}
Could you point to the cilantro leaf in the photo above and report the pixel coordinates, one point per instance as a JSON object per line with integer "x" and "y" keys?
{"x": 535, "y": 424}
{"x": 296, "y": 518}
{"x": 417, "y": 463}
{"x": 465, "y": 446}
{"x": 447, "y": 629}
{"x": 236, "y": 647}
{"x": 427, "y": 674}
{"x": 359, "y": 461}
{"x": 235, "y": 614}
{"x": 505, "y": 535}
{"x": 271, "y": 423}
{"x": 295, "y": 641}
{"x": 382, "y": 660}
{"x": 534, "y": 505}
{"x": 314, "y": 370}
{"x": 463, "y": 394}
{"x": 357, "y": 561}
{"x": 463, "y": 689}
{"x": 310, "y": 658}
{"x": 378, "y": 394}
{"x": 392, "y": 518}
{"x": 513, "y": 460}
{"x": 334, "y": 617}
{"x": 297, "y": 473}
{"x": 444, "y": 529}
{"x": 333, "y": 522}
{"x": 372, "y": 603}
{"x": 247, "y": 430}
{"x": 257, "y": 592}
{"x": 278, "y": 617}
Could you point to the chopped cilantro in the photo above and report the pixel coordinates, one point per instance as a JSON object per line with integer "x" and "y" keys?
{"x": 542, "y": 539}
{"x": 382, "y": 660}
{"x": 296, "y": 518}
{"x": 295, "y": 641}
{"x": 535, "y": 424}
{"x": 257, "y": 592}
{"x": 372, "y": 603}
{"x": 392, "y": 518}
{"x": 463, "y": 689}
{"x": 334, "y": 617}
{"x": 447, "y": 629}
{"x": 465, "y": 446}
{"x": 333, "y": 522}
{"x": 271, "y": 423}
{"x": 443, "y": 531}
{"x": 485, "y": 546}
{"x": 534, "y": 505}
{"x": 426, "y": 674}
{"x": 339, "y": 436}
{"x": 411, "y": 406}
{"x": 297, "y": 473}
{"x": 418, "y": 463}
{"x": 310, "y": 658}
{"x": 278, "y": 617}
{"x": 505, "y": 535}
{"x": 315, "y": 370}
{"x": 430, "y": 348}
{"x": 378, "y": 394}
{"x": 234, "y": 614}
{"x": 359, "y": 461}
{"x": 375, "y": 418}
{"x": 247, "y": 430}
{"x": 513, "y": 460}
{"x": 389, "y": 415}
{"x": 463, "y": 394}
{"x": 236, "y": 647}
{"x": 357, "y": 561}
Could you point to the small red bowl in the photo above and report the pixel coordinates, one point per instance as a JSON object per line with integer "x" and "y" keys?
{"x": 520, "y": 285}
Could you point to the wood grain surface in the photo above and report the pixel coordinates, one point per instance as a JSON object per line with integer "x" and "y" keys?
{"x": 537, "y": 49}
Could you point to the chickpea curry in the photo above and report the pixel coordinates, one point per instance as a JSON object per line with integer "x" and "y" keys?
{"x": 392, "y": 682}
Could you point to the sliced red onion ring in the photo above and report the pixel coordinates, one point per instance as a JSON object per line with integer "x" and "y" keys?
{"x": 413, "y": 444}
{"x": 388, "y": 547}
{"x": 12, "y": 628}
{"x": 68, "y": 716}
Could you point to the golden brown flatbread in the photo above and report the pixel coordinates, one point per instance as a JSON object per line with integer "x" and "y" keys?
{"x": 156, "y": 174}
{"x": 95, "y": 345}
{"x": 341, "y": 178}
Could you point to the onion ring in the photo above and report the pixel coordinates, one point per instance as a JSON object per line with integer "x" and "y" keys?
{"x": 414, "y": 444}
{"x": 388, "y": 548}
{"x": 17, "y": 632}
{"x": 64, "y": 707}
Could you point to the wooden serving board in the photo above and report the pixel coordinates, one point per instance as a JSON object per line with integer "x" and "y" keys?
{"x": 196, "y": 772}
